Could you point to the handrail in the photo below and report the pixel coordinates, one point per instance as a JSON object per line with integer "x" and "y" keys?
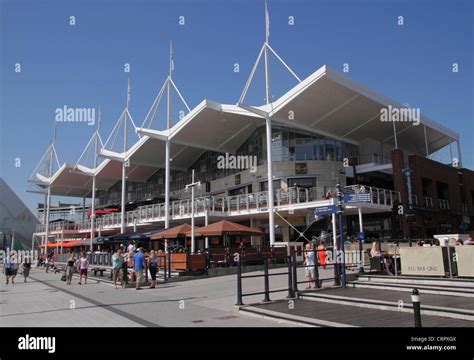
{"x": 227, "y": 205}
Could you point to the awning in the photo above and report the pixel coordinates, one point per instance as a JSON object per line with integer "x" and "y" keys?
{"x": 174, "y": 232}
{"x": 225, "y": 227}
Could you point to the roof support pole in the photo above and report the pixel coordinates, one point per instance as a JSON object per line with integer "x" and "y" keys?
{"x": 124, "y": 161}
{"x": 168, "y": 146}
{"x": 93, "y": 210}
{"x": 458, "y": 143}
{"x": 268, "y": 127}
{"x": 48, "y": 203}
{"x": 426, "y": 141}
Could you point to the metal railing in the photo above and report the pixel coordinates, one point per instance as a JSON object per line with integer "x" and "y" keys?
{"x": 443, "y": 204}
{"x": 428, "y": 202}
{"x": 224, "y": 206}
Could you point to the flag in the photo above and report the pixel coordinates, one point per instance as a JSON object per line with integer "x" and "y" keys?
{"x": 171, "y": 57}
{"x": 267, "y": 22}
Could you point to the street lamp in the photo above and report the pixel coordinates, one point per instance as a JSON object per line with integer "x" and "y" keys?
{"x": 192, "y": 186}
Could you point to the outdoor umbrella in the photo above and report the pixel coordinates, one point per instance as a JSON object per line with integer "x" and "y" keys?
{"x": 174, "y": 232}
{"x": 225, "y": 227}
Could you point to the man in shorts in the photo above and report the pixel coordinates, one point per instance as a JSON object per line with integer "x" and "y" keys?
{"x": 139, "y": 266}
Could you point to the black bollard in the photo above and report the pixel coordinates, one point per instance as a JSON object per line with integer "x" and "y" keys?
{"x": 169, "y": 265}
{"x": 266, "y": 281}
{"x": 295, "y": 275}
{"x": 291, "y": 294}
{"x": 415, "y": 299}
{"x": 239, "y": 284}
{"x": 316, "y": 270}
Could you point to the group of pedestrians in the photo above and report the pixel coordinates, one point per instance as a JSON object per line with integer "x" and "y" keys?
{"x": 140, "y": 265}
{"x": 81, "y": 265}
{"x": 11, "y": 265}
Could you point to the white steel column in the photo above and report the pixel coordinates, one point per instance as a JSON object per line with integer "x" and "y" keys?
{"x": 268, "y": 123}
{"x": 334, "y": 230}
{"x": 167, "y": 151}
{"x": 93, "y": 208}
{"x": 124, "y": 170}
{"x": 46, "y": 236}
{"x": 206, "y": 222}
{"x": 192, "y": 215}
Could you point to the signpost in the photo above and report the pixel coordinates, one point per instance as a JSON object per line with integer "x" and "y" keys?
{"x": 325, "y": 210}
{"x": 357, "y": 198}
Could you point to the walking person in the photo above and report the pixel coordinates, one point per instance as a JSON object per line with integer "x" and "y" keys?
{"x": 322, "y": 254}
{"x": 26, "y": 267}
{"x": 124, "y": 270}
{"x": 83, "y": 267}
{"x": 153, "y": 268}
{"x": 14, "y": 266}
{"x": 139, "y": 263}
{"x": 117, "y": 263}
{"x": 7, "y": 264}
{"x": 46, "y": 262}
{"x": 309, "y": 262}
{"x": 71, "y": 262}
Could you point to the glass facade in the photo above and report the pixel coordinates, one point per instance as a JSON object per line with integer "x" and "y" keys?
{"x": 287, "y": 145}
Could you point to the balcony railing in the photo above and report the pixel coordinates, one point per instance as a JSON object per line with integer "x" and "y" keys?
{"x": 224, "y": 206}
{"x": 464, "y": 208}
{"x": 443, "y": 204}
{"x": 428, "y": 202}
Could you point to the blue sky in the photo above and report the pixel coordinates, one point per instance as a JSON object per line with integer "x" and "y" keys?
{"x": 82, "y": 65}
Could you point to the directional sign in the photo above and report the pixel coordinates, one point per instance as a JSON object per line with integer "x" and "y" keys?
{"x": 357, "y": 198}
{"x": 325, "y": 210}
{"x": 361, "y": 236}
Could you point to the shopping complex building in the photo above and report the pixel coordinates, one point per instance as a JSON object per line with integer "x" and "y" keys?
{"x": 327, "y": 130}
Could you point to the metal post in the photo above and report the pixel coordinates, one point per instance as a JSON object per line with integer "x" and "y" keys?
{"x": 458, "y": 143}
{"x": 415, "y": 299}
{"x": 290, "y": 279}
{"x": 295, "y": 275}
{"x": 165, "y": 275}
{"x": 169, "y": 264}
{"x": 316, "y": 270}
{"x": 46, "y": 237}
{"x": 192, "y": 215}
{"x": 239, "y": 284}
{"x": 268, "y": 123}
{"x": 361, "y": 241}
{"x": 449, "y": 262}
{"x": 266, "y": 281}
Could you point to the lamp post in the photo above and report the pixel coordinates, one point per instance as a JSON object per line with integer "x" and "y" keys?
{"x": 192, "y": 186}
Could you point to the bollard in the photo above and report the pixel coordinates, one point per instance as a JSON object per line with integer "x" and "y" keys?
{"x": 266, "y": 281}
{"x": 361, "y": 255}
{"x": 169, "y": 265}
{"x": 239, "y": 284}
{"x": 295, "y": 276}
{"x": 415, "y": 299}
{"x": 290, "y": 279}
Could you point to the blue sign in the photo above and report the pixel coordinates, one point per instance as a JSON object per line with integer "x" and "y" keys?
{"x": 325, "y": 210}
{"x": 361, "y": 236}
{"x": 357, "y": 198}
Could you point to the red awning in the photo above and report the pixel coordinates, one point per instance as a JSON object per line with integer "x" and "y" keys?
{"x": 225, "y": 227}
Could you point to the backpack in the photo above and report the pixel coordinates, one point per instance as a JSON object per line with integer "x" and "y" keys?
{"x": 63, "y": 278}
